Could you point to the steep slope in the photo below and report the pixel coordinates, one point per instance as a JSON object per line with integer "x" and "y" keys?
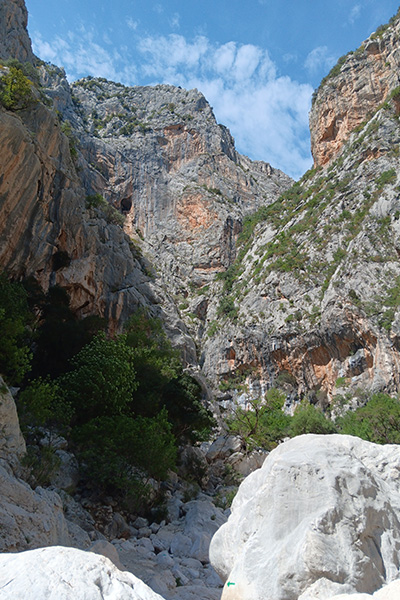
{"x": 14, "y": 38}
{"x": 312, "y": 301}
{"x": 353, "y": 89}
{"x": 158, "y": 155}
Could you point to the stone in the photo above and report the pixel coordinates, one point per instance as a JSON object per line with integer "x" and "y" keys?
{"x": 321, "y": 517}
{"x": 164, "y": 560}
{"x": 388, "y": 592}
{"x": 67, "y": 475}
{"x": 222, "y": 447}
{"x": 29, "y": 518}
{"x": 12, "y": 443}
{"x": 118, "y": 528}
{"x": 66, "y": 573}
{"x": 109, "y": 551}
{"x": 140, "y": 522}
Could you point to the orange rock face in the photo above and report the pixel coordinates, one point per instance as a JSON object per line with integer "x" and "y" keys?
{"x": 346, "y": 100}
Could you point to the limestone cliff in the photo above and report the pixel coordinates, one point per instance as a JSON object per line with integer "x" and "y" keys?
{"x": 353, "y": 90}
{"x": 14, "y": 38}
{"x": 175, "y": 186}
{"x": 314, "y": 293}
{"x": 299, "y": 289}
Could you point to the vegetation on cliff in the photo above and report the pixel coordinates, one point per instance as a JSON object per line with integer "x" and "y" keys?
{"x": 123, "y": 403}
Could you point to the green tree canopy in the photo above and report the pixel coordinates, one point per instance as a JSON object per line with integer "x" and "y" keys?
{"x": 102, "y": 380}
{"x": 15, "y": 332}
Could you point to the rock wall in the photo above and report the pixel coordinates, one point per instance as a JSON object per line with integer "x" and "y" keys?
{"x": 14, "y": 38}
{"x": 344, "y": 100}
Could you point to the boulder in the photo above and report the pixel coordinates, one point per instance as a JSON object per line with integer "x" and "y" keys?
{"x": 66, "y": 573}
{"x": 388, "y": 592}
{"x": 222, "y": 447}
{"x": 321, "y": 517}
{"x": 29, "y": 518}
{"x": 11, "y": 441}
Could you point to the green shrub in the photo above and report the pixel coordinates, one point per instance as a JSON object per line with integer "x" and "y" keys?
{"x": 15, "y": 90}
{"x": 102, "y": 380}
{"x": 378, "y": 421}
{"x": 309, "y": 419}
{"x": 262, "y": 423}
{"x": 42, "y": 463}
{"x": 42, "y": 404}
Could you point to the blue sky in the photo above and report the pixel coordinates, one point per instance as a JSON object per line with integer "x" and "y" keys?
{"x": 257, "y": 62}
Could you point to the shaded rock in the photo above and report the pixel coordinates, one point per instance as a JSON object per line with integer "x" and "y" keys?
{"x": 108, "y": 550}
{"x": 14, "y": 38}
{"x": 222, "y": 447}
{"x": 12, "y": 443}
{"x": 67, "y": 475}
{"x": 321, "y": 516}
{"x": 118, "y": 528}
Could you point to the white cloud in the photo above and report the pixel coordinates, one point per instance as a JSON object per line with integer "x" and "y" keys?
{"x": 319, "y": 59}
{"x": 132, "y": 24}
{"x": 175, "y": 21}
{"x": 354, "y": 13}
{"x": 80, "y": 55}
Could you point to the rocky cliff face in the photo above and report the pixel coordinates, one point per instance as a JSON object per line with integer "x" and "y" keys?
{"x": 299, "y": 289}
{"x": 157, "y": 155}
{"x": 356, "y": 86}
{"x": 314, "y": 303}
{"x": 14, "y": 38}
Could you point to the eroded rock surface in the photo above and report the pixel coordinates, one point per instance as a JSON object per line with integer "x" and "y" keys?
{"x": 321, "y": 517}
{"x": 66, "y": 573}
{"x": 362, "y": 83}
{"x": 14, "y": 38}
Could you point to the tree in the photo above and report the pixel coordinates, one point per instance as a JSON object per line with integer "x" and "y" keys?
{"x": 308, "y": 419}
{"x": 162, "y": 382}
{"x": 102, "y": 380}
{"x": 378, "y": 421}
{"x": 262, "y": 422}
{"x": 42, "y": 404}
{"x": 121, "y": 453}
{"x": 15, "y": 89}
{"x": 15, "y": 319}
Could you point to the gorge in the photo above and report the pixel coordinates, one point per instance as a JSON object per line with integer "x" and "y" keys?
{"x": 221, "y": 281}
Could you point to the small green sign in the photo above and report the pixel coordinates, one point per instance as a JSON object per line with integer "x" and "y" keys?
{"x": 230, "y": 583}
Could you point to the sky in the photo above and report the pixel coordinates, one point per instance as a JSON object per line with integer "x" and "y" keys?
{"x": 256, "y": 61}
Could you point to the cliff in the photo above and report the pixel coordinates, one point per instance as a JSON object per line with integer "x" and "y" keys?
{"x": 256, "y": 283}
{"x": 14, "y": 38}
{"x": 312, "y": 300}
{"x": 352, "y": 91}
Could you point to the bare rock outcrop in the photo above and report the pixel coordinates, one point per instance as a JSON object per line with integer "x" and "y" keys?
{"x": 353, "y": 90}
{"x": 12, "y": 443}
{"x": 321, "y": 517}
{"x": 28, "y": 518}
{"x": 14, "y": 38}
{"x": 67, "y": 573}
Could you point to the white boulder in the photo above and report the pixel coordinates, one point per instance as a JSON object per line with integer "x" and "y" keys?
{"x": 59, "y": 573}
{"x": 321, "y": 517}
{"x": 388, "y": 592}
